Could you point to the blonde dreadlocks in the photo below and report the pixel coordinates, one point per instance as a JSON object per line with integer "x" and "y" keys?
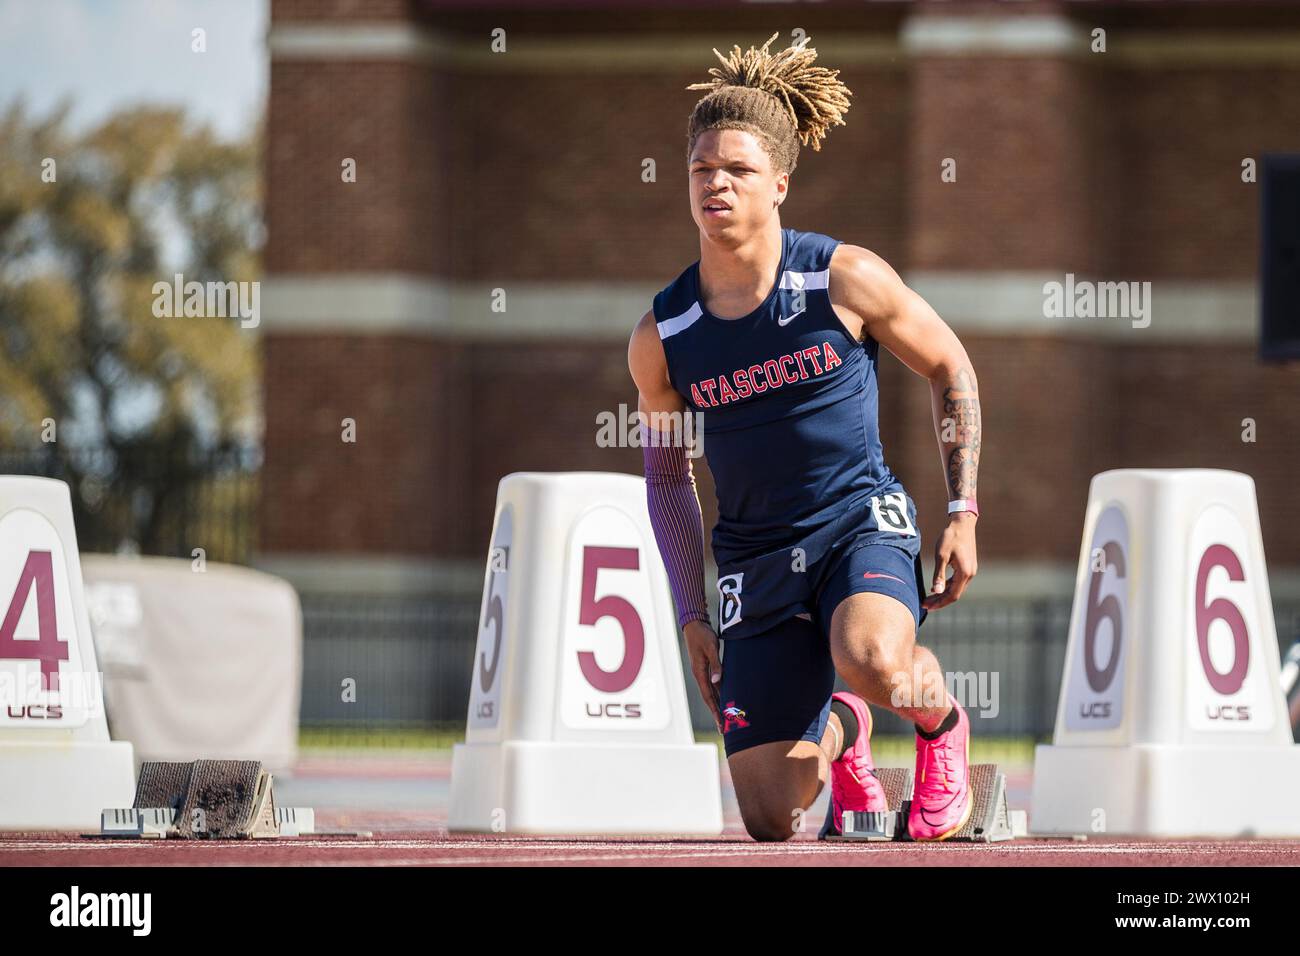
{"x": 780, "y": 98}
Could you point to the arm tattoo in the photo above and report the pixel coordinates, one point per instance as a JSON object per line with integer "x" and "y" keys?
{"x": 961, "y": 405}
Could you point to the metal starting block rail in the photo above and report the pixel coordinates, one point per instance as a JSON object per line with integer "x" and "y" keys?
{"x": 991, "y": 821}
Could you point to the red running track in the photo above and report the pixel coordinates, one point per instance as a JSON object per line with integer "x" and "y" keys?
{"x": 402, "y": 799}
{"x": 437, "y": 848}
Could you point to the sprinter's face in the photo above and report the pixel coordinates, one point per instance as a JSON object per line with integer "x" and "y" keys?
{"x": 733, "y": 188}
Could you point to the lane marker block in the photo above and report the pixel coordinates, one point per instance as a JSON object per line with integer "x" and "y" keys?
{"x": 1171, "y": 720}
{"x": 578, "y": 721}
{"x": 58, "y": 767}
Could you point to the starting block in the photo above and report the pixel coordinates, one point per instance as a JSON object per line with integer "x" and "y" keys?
{"x": 991, "y": 821}
{"x": 206, "y": 799}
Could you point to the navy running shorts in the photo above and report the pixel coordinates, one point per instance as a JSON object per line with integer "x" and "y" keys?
{"x": 758, "y": 591}
{"x": 868, "y": 565}
{"x": 777, "y": 685}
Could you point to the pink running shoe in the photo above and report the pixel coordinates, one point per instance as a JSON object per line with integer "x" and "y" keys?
{"x": 853, "y": 777}
{"x": 941, "y": 800}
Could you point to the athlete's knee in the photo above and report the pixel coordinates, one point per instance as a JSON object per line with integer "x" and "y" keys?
{"x": 771, "y": 825}
{"x": 923, "y": 659}
{"x": 875, "y": 654}
{"x": 776, "y": 812}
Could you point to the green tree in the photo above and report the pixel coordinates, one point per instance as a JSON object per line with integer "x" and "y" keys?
{"x": 143, "y": 407}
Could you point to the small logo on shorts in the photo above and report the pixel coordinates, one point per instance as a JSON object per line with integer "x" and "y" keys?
{"x": 873, "y": 574}
{"x": 733, "y": 717}
{"x": 729, "y": 599}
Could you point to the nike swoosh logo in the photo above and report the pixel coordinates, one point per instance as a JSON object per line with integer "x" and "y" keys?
{"x": 872, "y": 574}
{"x": 788, "y": 320}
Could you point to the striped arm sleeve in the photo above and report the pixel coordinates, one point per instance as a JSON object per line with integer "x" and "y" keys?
{"x": 674, "y": 507}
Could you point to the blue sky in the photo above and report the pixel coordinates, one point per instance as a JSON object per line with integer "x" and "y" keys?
{"x": 111, "y": 53}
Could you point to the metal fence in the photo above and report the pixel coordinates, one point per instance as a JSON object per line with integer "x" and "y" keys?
{"x": 375, "y": 660}
{"x": 154, "y": 500}
{"x": 412, "y": 660}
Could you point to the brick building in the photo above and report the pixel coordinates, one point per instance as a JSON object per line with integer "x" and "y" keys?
{"x": 519, "y": 173}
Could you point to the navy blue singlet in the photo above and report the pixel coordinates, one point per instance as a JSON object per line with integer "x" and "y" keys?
{"x": 789, "y": 402}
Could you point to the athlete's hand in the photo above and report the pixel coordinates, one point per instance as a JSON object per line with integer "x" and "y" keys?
{"x": 955, "y": 548}
{"x": 702, "y": 646}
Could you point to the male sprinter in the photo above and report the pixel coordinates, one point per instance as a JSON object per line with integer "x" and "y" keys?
{"x": 773, "y": 336}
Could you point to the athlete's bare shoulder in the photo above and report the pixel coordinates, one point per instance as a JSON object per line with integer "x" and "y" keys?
{"x": 645, "y": 353}
{"x": 649, "y": 366}
{"x": 870, "y": 297}
{"x": 863, "y": 287}
{"x": 859, "y": 276}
